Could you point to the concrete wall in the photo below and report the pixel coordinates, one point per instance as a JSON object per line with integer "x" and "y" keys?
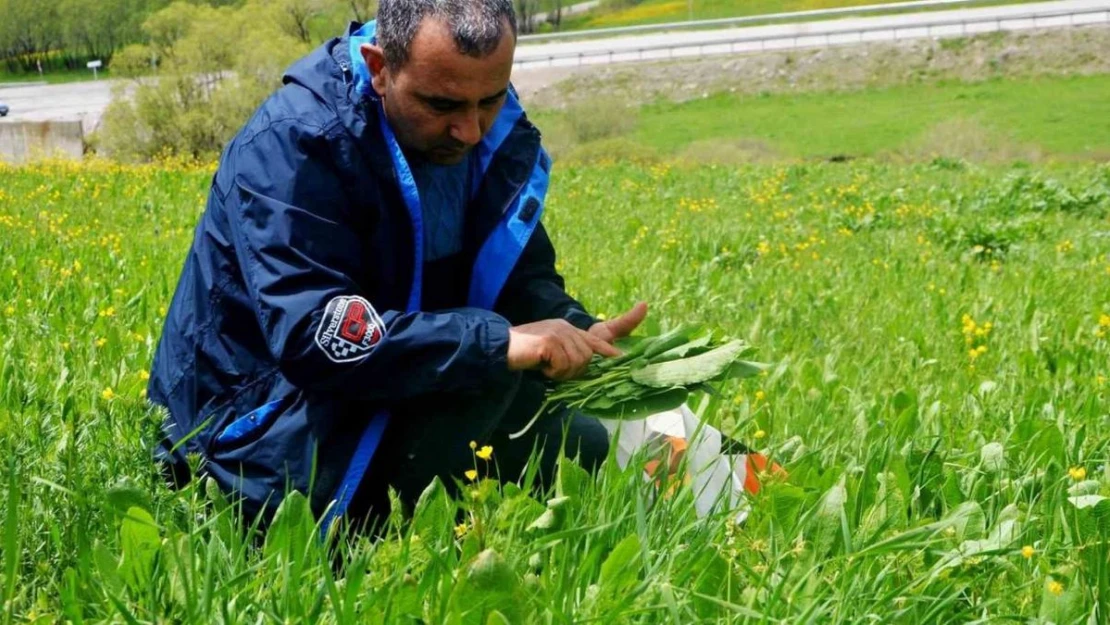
{"x": 22, "y": 141}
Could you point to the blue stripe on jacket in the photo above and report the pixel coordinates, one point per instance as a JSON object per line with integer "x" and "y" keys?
{"x": 496, "y": 258}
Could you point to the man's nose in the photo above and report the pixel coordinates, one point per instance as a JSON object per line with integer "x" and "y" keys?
{"x": 467, "y": 128}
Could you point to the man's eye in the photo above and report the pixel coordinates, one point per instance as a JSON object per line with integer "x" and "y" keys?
{"x": 443, "y": 106}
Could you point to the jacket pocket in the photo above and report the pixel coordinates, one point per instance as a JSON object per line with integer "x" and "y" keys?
{"x": 252, "y": 424}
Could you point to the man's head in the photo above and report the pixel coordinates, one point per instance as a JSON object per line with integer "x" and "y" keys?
{"x": 441, "y": 68}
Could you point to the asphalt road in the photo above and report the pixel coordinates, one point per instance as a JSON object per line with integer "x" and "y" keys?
{"x": 79, "y": 100}
{"x": 87, "y": 100}
{"x": 802, "y": 34}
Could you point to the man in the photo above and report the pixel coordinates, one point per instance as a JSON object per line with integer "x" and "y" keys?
{"x": 370, "y": 287}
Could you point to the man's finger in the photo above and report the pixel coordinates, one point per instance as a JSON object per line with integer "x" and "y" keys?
{"x": 600, "y": 346}
{"x": 582, "y": 354}
{"x": 624, "y": 325}
{"x": 558, "y": 363}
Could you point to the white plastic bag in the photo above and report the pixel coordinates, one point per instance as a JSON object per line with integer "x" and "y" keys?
{"x": 717, "y": 479}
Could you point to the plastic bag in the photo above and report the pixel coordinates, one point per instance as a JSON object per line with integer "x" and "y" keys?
{"x": 719, "y": 470}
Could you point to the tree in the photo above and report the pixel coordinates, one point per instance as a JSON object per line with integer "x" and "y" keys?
{"x": 526, "y": 15}
{"x": 297, "y": 15}
{"x": 215, "y": 66}
{"x": 363, "y": 10}
{"x": 29, "y": 30}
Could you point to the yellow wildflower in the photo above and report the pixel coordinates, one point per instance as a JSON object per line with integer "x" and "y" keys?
{"x": 460, "y": 530}
{"x": 1027, "y": 551}
{"x": 760, "y": 395}
{"x": 108, "y": 394}
{"x": 473, "y": 445}
{"x": 1056, "y": 588}
{"x": 760, "y": 434}
{"x": 144, "y": 375}
{"x": 471, "y": 474}
{"x": 1077, "y": 473}
{"x": 101, "y": 342}
{"x": 485, "y": 453}
{"x": 108, "y": 312}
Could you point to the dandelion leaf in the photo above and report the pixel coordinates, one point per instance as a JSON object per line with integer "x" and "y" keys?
{"x": 689, "y": 371}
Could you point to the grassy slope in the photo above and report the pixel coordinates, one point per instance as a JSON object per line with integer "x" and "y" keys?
{"x": 662, "y": 11}
{"x": 1060, "y": 117}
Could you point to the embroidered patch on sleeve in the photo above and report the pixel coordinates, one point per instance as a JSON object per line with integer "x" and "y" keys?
{"x": 349, "y": 329}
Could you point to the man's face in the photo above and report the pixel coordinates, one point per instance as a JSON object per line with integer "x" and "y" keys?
{"x": 441, "y": 102}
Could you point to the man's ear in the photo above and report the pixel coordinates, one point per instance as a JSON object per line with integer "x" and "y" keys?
{"x": 375, "y": 60}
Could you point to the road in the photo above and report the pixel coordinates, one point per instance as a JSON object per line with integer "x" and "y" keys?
{"x": 825, "y": 32}
{"x": 87, "y": 100}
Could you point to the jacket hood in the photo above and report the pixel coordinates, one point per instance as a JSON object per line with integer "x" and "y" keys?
{"x": 328, "y": 73}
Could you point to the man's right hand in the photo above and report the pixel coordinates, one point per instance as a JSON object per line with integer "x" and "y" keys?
{"x": 555, "y": 347}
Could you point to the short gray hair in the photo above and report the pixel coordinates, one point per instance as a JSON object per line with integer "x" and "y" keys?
{"x": 477, "y": 25}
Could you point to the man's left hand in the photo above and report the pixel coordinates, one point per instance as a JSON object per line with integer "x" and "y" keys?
{"x": 621, "y": 326}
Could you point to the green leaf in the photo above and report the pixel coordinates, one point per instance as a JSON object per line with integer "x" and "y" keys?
{"x": 570, "y": 478}
{"x": 646, "y": 406}
{"x": 683, "y": 350}
{"x": 107, "y": 567}
{"x": 1062, "y": 598}
{"x": 125, "y": 494}
{"x": 552, "y": 518}
{"x": 785, "y": 502}
{"x": 139, "y": 540}
{"x": 292, "y": 529}
{"x": 676, "y": 337}
{"x": 433, "y": 511}
{"x": 742, "y": 369}
{"x": 621, "y": 568}
{"x": 1086, "y": 501}
{"x": 693, "y": 370}
{"x": 968, "y": 520}
{"x": 827, "y": 518}
{"x": 488, "y": 584}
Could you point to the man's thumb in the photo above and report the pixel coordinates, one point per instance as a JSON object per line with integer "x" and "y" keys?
{"x": 624, "y": 325}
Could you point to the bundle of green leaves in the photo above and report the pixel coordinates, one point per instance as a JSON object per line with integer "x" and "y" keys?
{"x": 652, "y": 375}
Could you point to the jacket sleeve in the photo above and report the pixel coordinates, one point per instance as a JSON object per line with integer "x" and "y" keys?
{"x": 299, "y": 250}
{"x": 535, "y": 290}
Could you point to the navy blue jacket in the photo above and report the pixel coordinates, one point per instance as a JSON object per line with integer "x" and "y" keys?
{"x": 297, "y": 324}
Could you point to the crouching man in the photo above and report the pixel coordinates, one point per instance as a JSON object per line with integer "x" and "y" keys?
{"x": 370, "y": 287}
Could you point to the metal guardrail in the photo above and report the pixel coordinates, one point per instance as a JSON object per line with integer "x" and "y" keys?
{"x": 725, "y": 46}
{"x": 748, "y": 19}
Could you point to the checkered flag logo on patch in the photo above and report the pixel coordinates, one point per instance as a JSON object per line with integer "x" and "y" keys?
{"x": 349, "y": 329}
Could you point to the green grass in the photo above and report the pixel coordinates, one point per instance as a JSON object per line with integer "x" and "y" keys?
{"x": 940, "y": 337}
{"x": 1057, "y": 118}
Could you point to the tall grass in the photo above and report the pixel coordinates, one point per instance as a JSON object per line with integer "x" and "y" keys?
{"x": 939, "y": 334}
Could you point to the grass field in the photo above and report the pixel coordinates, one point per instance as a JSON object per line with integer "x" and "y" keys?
{"x": 1049, "y": 118}
{"x": 940, "y": 343}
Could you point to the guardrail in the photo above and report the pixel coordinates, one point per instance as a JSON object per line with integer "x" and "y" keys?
{"x": 761, "y": 42}
{"x": 748, "y": 19}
